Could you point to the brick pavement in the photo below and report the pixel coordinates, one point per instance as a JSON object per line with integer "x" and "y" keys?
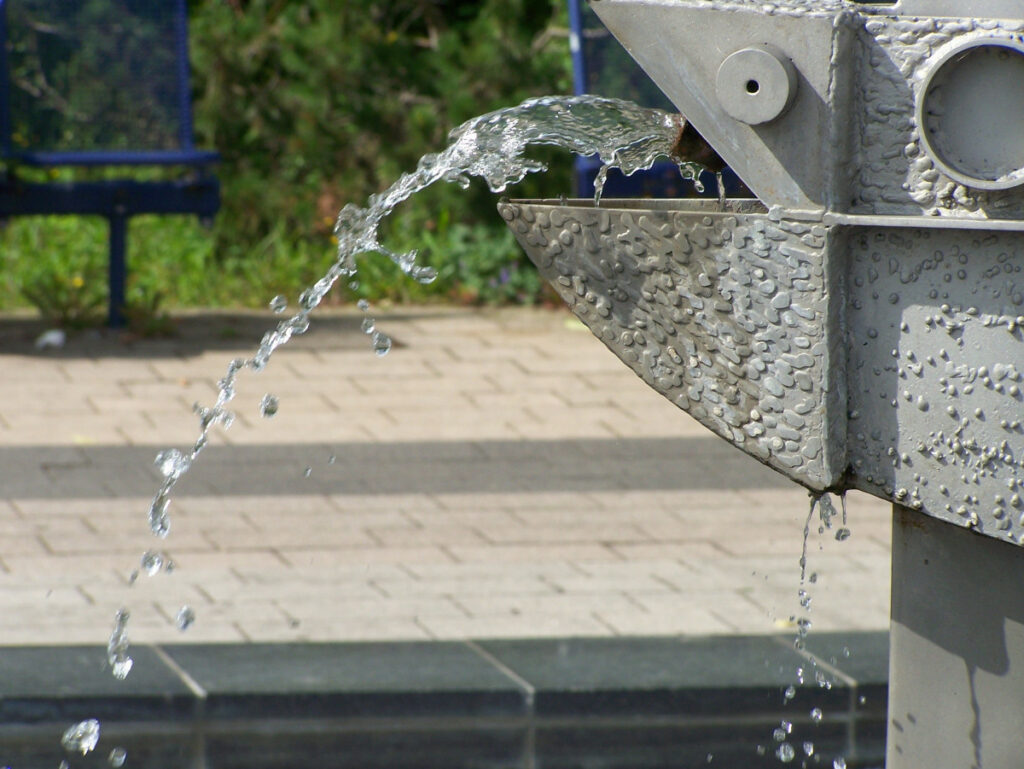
{"x": 498, "y": 474}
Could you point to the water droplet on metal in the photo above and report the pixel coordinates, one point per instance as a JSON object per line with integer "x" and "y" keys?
{"x": 81, "y": 737}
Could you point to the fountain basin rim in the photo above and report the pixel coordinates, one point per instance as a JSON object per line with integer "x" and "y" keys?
{"x": 706, "y": 206}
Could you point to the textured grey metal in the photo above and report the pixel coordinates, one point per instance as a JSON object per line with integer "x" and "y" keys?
{"x": 724, "y": 313}
{"x": 862, "y": 325}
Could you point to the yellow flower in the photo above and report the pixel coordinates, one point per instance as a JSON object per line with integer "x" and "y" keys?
{"x": 77, "y": 281}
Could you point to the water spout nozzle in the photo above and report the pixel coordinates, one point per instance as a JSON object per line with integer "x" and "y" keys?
{"x": 691, "y": 147}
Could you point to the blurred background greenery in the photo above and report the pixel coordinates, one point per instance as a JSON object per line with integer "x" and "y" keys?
{"x": 313, "y": 104}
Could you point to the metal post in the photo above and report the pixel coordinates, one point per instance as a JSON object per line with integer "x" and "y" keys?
{"x": 118, "y": 226}
{"x": 956, "y": 689}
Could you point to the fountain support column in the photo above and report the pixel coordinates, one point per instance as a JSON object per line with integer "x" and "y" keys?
{"x": 956, "y": 682}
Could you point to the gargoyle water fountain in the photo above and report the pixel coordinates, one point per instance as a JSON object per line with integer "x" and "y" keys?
{"x": 857, "y": 326}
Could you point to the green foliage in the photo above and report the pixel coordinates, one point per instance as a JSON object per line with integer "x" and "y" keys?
{"x": 314, "y": 104}
{"x": 65, "y": 280}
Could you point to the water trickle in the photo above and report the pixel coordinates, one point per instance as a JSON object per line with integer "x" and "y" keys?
{"x": 117, "y": 757}
{"x": 268, "y": 406}
{"x": 81, "y": 737}
{"x": 117, "y": 647}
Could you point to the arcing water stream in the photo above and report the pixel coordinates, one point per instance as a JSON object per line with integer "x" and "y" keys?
{"x": 492, "y": 147}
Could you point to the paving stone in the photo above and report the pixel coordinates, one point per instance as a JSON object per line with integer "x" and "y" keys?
{"x": 498, "y": 445}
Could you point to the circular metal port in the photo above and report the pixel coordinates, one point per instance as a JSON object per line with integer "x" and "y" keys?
{"x": 970, "y": 111}
{"x": 756, "y": 85}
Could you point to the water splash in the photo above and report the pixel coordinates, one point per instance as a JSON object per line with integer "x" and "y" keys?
{"x": 81, "y": 737}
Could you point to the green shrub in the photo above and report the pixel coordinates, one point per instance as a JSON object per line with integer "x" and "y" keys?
{"x": 314, "y": 104}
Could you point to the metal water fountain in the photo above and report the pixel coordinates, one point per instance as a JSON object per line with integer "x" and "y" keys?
{"x": 860, "y": 325}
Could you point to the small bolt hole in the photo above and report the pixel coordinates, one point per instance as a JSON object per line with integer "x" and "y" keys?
{"x": 753, "y": 86}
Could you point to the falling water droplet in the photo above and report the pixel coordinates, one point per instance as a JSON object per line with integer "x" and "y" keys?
{"x": 842, "y": 534}
{"x": 839, "y": 763}
{"x": 363, "y": 305}
{"x": 186, "y": 616}
{"x": 159, "y": 522}
{"x": 381, "y": 344}
{"x": 808, "y": 749}
{"x": 789, "y": 694}
{"x": 155, "y": 561}
{"x": 817, "y": 715}
{"x": 786, "y": 753}
{"x": 307, "y": 472}
{"x": 172, "y": 463}
{"x": 368, "y": 325}
{"x": 268, "y": 406}
{"x": 117, "y": 757}
{"x": 81, "y": 737}
{"x": 117, "y": 647}
{"x": 279, "y": 304}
